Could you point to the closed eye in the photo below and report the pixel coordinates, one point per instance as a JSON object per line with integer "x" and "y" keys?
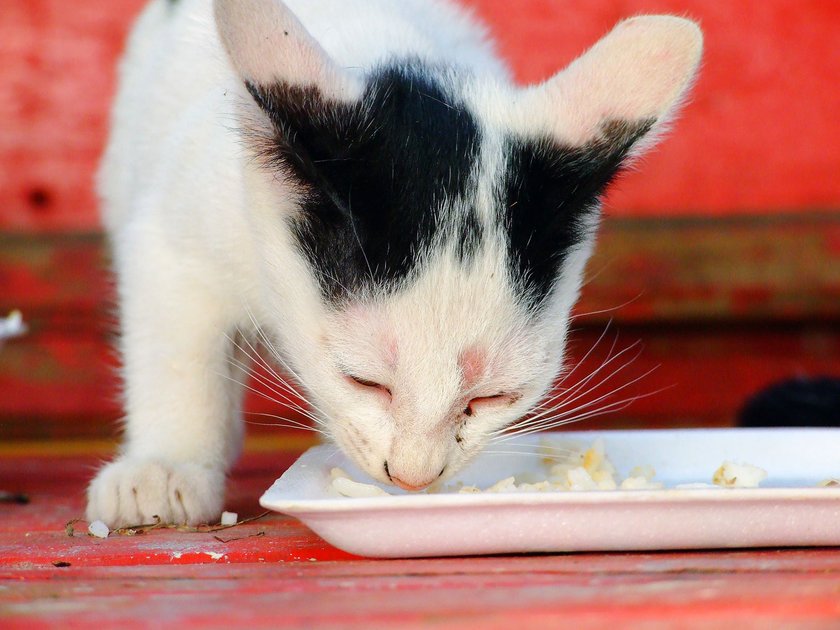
{"x": 373, "y": 386}
{"x": 489, "y": 402}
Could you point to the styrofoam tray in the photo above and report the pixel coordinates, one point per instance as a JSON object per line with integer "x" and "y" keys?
{"x": 788, "y": 510}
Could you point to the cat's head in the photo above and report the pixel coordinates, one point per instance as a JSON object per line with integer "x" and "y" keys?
{"x": 422, "y": 271}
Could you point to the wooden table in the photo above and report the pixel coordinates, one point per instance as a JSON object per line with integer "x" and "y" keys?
{"x": 275, "y": 573}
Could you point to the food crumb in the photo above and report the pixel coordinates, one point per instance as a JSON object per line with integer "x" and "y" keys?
{"x": 12, "y": 326}
{"x": 346, "y": 487}
{"x": 735, "y": 475}
{"x": 98, "y": 529}
{"x": 229, "y": 518}
{"x": 640, "y": 483}
{"x": 505, "y": 485}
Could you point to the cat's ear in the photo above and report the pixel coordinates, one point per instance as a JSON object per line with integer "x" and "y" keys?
{"x": 637, "y": 76}
{"x": 269, "y": 46}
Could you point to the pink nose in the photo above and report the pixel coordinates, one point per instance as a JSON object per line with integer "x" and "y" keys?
{"x": 407, "y": 486}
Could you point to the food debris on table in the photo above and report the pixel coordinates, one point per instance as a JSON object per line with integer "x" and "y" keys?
{"x": 11, "y": 326}
{"x": 98, "y": 529}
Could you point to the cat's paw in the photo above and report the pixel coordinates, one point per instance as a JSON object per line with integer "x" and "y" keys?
{"x": 133, "y": 491}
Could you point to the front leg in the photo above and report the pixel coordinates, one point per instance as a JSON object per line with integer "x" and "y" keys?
{"x": 182, "y": 425}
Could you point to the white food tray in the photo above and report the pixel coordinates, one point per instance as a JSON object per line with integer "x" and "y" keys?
{"x": 788, "y": 510}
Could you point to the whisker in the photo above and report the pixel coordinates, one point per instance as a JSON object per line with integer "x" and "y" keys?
{"x": 286, "y": 423}
{"x": 300, "y": 423}
{"x": 280, "y": 425}
{"x": 588, "y": 352}
{"x": 560, "y": 398}
{"x": 513, "y": 453}
{"x": 256, "y": 357}
{"x": 261, "y": 393}
{"x": 607, "y": 310}
{"x": 610, "y": 358}
{"x": 336, "y": 451}
{"x": 577, "y": 393}
{"x": 536, "y": 424}
{"x": 276, "y": 355}
{"x": 567, "y": 418}
{"x": 286, "y": 401}
{"x": 536, "y": 446}
{"x": 560, "y": 418}
{"x": 280, "y": 381}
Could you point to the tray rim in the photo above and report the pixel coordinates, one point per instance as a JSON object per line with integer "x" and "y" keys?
{"x": 513, "y": 499}
{"x": 336, "y": 505}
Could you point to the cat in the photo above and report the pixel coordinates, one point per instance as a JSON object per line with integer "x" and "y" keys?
{"x": 358, "y": 185}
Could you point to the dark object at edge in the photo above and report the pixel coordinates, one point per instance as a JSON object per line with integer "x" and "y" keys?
{"x": 799, "y": 402}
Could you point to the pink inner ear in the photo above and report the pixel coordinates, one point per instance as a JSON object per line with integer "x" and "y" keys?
{"x": 473, "y": 363}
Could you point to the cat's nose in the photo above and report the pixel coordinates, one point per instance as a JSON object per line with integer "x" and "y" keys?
{"x": 407, "y": 486}
{"x": 412, "y": 486}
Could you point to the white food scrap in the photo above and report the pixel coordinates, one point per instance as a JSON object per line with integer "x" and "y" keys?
{"x": 640, "y": 483}
{"x": 579, "y": 479}
{"x": 98, "y": 529}
{"x": 348, "y": 488}
{"x": 336, "y": 473}
{"x": 507, "y": 484}
{"x": 12, "y": 326}
{"x": 539, "y": 486}
{"x": 737, "y": 475}
{"x": 229, "y": 518}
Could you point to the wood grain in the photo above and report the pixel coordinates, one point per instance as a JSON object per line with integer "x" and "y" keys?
{"x": 289, "y": 578}
{"x": 758, "y": 136}
{"x": 719, "y": 308}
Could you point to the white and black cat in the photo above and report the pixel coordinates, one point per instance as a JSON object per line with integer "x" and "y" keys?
{"x": 361, "y": 182}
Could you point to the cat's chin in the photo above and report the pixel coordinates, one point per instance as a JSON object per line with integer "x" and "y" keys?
{"x": 133, "y": 491}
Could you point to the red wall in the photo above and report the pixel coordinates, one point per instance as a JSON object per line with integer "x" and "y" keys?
{"x": 724, "y": 307}
{"x": 761, "y": 135}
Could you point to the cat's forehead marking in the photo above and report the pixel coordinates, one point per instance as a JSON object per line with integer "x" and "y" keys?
{"x": 551, "y": 196}
{"x": 386, "y": 178}
{"x": 410, "y": 168}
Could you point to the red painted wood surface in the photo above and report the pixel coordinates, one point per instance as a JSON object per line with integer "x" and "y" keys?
{"x": 687, "y": 377}
{"x": 760, "y": 134}
{"x": 289, "y": 578}
{"x": 723, "y": 308}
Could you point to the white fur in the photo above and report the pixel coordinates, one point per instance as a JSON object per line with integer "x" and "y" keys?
{"x": 201, "y": 243}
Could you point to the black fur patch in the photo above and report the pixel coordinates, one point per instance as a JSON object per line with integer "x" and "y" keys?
{"x": 375, "y": 176}
{"x": 469, "y": 235}
{"x": 550, "y": 193}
